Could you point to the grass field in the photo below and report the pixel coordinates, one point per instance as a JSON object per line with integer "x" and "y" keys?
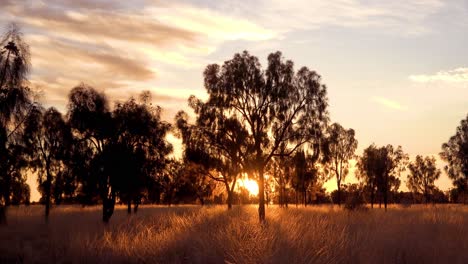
{"x": 193, "y": 234}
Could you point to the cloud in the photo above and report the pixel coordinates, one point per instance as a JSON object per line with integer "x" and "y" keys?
{"x": 459, "y": 75}
{"x": 389, "y": 103}
{"x": 398, "y": 17}
{"x": 127, "y": 47}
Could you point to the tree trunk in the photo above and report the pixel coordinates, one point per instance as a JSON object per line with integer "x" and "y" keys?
{"x": 3, "y": 219}
{"x": 285, "y": 197}
{"x": 261, "y": 195}
{"x": 385, "y": 199}
{"x": 295, "y": 192}
{"x": 229, "y": 200}
{"x": 6, "y": 199}
{"x": 47, "y": 190}
{"x": 129, "y": 206}
{"x": 339, "y": 193}
{"x": 136, "y": 205}
{"x": 108, "y": 204}
{"x": 372, "y": 198}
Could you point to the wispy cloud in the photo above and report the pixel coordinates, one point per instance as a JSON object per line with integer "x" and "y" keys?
{"x": 389, "y": 103}
{"x": 120, "y": 47}
{"x": 459, "y": 75}
{"x": 401, "y": 17}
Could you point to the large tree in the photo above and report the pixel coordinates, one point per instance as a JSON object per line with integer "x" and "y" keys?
{"x": 275, "y": 106}
{"x": 339, "y": 148}
{"x": 47, "y": 138}
{"x": 455, "y": 153}
{"x": 92, "y": 125}
{"x": 14, "y": 106}
{"x": 423, "y": 173}
{"x": 138, "y": 149}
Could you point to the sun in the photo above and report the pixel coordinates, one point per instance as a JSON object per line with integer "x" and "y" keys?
{"x": 250, "y": 185}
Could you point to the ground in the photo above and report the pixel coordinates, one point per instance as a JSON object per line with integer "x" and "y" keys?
{"x": 194, "y": 234}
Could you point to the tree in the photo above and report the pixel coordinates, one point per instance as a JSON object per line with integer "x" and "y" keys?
{"x": 380, "y": 169}
{"x": 339, "y": 148}
{"x": 304, "y": 174}
{"x": 215, "y": 146}
{"x": 281, "y": 170}
{"x": 276, "y": 106}
{"x": 15, "y": 103}
{"x": 138, "y": 149}
{"x": 423, "y": 173}
{"x": 47, "y": 139}
{"x": 92, "y": 124}
{"x": 455, "y": 153}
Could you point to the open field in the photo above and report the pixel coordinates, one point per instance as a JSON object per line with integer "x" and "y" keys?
{"x": 192, "y": 234}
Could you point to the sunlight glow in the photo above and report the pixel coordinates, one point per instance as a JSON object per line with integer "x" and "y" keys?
{"x": 250, "y": 185}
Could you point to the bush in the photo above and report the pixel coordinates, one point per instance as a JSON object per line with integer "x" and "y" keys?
{"x": 355, "y": 201}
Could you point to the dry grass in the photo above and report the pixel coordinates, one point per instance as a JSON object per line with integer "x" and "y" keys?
{"x": 191, "y": 234}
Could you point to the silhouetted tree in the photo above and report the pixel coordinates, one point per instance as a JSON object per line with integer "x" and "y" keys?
{"x": 275, "y": 107}
{"x": 281, "y": 169}
{"x": 455, "y": 153}
{"x": 14, "y": 106}
{"x": 92, "y": 123}
{"x": 47, "y": 138}
{"x": 423, "y": 173}
{"x": 140, "y": 147}
{"x": 380, "y": 168}
{"x": 339, "y": 148}
{"x": 215, "y": 146}
{"x": 304, "y": 175}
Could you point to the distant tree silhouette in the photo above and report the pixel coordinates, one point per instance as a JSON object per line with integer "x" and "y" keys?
{"x": 171, "y": 180}
{"x": 275, "y": 106}
{"x": 423, "y": 173}
{"x": 281, "y": 169}
{"x": 380, "y": 169}
{"x": 339, "y": 148}
{"x": 47, "y": 138}
{"x": 14, "y": 105}
{"x": 305, "y": 173}
{"x": 455, "y": 153}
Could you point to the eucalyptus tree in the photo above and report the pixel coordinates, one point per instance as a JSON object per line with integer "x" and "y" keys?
{"x": 15, "y": 103}
{"x": 305, "y": 174}
{"x": 380, "y": 168}
{"x": 423, "y": 173}
{"x": 92, "y": 125}
{"x": 138, "y": 149}
{"x": 455, "y": 153}
{"x": 281, "y": 169}
{"x": 215, "y": 145}
{"x": 274, "y": 106}
{"x": 340, "y": 147}
{"x": 47, "y": 138}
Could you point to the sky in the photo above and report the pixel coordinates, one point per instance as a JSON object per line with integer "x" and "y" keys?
{"x": 396, "y": 71}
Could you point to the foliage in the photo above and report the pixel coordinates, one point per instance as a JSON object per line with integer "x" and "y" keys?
{"x": 423, "y": 173}
{"x": 274, "y": 107}
{"x": 455, "y": 153}
{"x": 380, "y": 168}
{"x": 339, "y": 149}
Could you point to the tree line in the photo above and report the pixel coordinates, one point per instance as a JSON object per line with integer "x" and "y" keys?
{"x": 271, "y": 124}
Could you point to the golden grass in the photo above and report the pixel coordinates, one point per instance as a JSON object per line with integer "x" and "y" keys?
{"x": 193, "y": 234}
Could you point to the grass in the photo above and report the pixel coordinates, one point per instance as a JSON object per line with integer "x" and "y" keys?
{"x": 193, "y": 234}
